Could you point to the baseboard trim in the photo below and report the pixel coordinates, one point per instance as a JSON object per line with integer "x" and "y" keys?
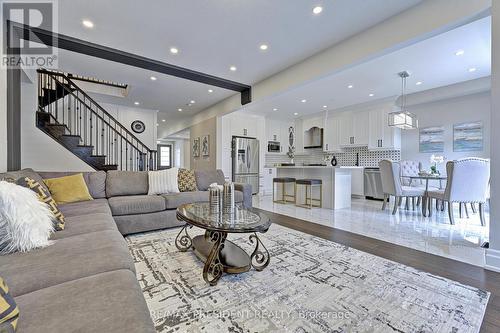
{"x": 492, "y": 260}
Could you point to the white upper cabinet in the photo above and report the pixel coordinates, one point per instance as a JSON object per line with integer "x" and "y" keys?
{"x": 381, "y": 136}
{"x": 273, "y": 130}
{"x": 242, "y": 125}
{"x": 331, "y": 133}
{"x": 354, "y": 129}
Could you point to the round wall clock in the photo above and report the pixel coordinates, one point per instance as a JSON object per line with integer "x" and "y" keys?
{"x": 138, "y": 126}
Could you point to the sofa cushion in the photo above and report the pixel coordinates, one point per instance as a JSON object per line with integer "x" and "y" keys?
{"x": 110, "y": 302}
{"x": 136, "y": 204}
{"x": 126, "y": 183}
{"x": 23, "y": 174}
{"x": 86, "y": 208}
{"x": 68, "y": 189}
{"x": 84, "y": 224}
{"x": 206, "y": 177}
{"x": 67, "y": 259}
{"x": 174, "y": 200}
{"x": 186, "y": 180}
{"x": 131, "y": 224}
{"x": 95, "y": 180}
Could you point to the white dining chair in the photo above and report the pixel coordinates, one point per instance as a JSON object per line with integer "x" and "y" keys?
{"x": 391, "y": 184}
{"x": 409, "y": 169}
{"x": 467, "y": 182}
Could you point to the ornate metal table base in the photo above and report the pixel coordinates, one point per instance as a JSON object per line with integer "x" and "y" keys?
{"x": 221, "y": 255}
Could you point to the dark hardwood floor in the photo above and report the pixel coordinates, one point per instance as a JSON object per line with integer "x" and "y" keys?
{"x": 449, "y": 268}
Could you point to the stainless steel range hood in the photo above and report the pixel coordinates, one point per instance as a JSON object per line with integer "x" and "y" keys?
{"x": 313, "y": 138}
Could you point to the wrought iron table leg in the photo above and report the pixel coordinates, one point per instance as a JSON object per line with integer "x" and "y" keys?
{"x": 183, "y": 242}
{"x": 213, "y": 269}
{"x": 260, "y": 259}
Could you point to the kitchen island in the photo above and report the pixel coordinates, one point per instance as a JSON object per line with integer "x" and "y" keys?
{"x": 336, "y": 183}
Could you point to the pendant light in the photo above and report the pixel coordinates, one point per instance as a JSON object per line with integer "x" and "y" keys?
{"x": 402, "y": 118}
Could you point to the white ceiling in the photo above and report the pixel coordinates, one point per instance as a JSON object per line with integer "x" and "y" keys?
{"x": 211, "y": 35}
{"x": 432, "y": 61}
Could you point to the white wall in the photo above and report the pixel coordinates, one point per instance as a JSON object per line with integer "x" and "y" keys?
{"x": 126, "y": 115}
{"x": 446, "y": 113}
{"x": 207, "y": 127}
{"x": 493, "y": 253}
{"x": 3, "y": 120}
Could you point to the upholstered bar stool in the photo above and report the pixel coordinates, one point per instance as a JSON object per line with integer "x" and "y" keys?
{"x": 310, "y": 184}
{"x": 284, "y": 195}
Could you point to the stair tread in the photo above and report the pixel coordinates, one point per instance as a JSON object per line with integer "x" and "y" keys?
{"x": 97, "y": 155}
{"x": 71, "y": 135}
{"x": 85, "y": 146}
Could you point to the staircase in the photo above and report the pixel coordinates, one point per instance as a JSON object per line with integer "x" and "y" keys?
{"x": 72, "y": 118}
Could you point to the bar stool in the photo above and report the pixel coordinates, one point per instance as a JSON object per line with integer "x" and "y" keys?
{"x": 284, "y": 196}
{"x": 310, "y": 184}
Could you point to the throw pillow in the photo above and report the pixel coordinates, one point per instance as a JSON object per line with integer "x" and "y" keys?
{"x": 68, "y": 189}
{"x": 25, "y": 222}
{"x": 9, "y": 312}
{"x": 187, "y": 180}
{"x": 163, "y": 181}
{"x": 45, "y": 197}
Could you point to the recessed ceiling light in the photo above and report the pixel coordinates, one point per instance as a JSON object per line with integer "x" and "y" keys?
{"x": 304, "y": 100}
{"x": 137, "y": 103}
{"x": 192, "y": 102}
{"x": 275, "y": 109}
{"x": 88, "y": 24}
{"x": 210, "y": 91}
{"x": 232, "y": 68}
{"x": 179, "y": 109}
{"x": 371, "y": 95}
{"x": 317, "y": 10}
{"x": 153, "y": 78}
{"x": 157, "y": 124}
{"x": 163, "y": 120}
{"x": 325, "y": 106}
{"x": 350, "y": 86}
{"x": 418, "y": 83}
{"x": 459, "y": 52}
{"x": 263, "y": 47}
{"x": 295, "y": 114}
{"x": 473, "y": 69}
{"x": 174, "y": 50}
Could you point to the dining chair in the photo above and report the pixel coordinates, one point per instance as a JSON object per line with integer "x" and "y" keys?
{"x": 391, "y": 184}
{"x": 467, "y": 183}
{"x": 410, "y": 168}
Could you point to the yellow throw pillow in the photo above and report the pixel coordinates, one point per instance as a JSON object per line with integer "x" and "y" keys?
{"x": 9, "y": 312}
{"x": 68, "y": 189}
{"x": 44, "y": 196}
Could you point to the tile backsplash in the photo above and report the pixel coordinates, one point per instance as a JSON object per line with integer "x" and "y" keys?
{"x": 346, "y": 158}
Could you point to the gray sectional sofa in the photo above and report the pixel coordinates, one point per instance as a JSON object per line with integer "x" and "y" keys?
{"x": 85, "y": 281}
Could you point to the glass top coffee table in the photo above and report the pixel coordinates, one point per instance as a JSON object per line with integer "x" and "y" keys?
{"x": 219, "y": 254}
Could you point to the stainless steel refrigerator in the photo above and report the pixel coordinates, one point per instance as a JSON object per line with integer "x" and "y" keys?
{"x": 245, "y": 154}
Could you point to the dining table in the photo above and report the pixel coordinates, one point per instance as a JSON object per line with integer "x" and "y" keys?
{"x": 426, "y": 178}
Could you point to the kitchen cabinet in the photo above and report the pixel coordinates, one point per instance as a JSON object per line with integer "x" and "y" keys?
{"x": 299, "y": 137}
{"x": 354, "y": 129}
{"x": 331, "y": 133}
{"x": 244, "y": 126}
{"x": 381, "y": 136}
{"x": 267, "y": 181}
{"x": 273, "y": 130}
{"x": 357, "y": 181}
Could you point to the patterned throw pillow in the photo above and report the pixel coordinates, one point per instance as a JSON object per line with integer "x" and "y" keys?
{"x": 44, "y": 196}
{"x": 187, "y": 180}
{"x": 9, "y": 312}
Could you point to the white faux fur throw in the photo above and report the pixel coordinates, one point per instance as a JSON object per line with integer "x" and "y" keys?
{"x": 25, "y": 222}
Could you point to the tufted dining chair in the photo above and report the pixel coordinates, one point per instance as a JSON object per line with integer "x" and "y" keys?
{"x": 410, "y": 168}
{"x": 391, "y": 184}
{"x": 467, "y": 182}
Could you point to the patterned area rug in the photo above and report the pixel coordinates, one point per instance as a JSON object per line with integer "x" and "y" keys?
{"x": 311, "y": 285}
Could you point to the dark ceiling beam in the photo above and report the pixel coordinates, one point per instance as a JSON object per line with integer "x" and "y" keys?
{"x": 103, "y": 52}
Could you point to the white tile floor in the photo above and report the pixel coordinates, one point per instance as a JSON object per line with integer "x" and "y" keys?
{"x": 409, "y": 228}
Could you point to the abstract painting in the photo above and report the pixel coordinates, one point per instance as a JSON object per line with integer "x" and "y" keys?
{"x": 468, "y": 136}
{"x": 432, "y": 139}
{"x": 205, "y": 145}
{"x": 196, "y": 147}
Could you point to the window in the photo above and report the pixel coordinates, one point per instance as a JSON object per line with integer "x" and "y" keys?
{"x": 164, "y": 156}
